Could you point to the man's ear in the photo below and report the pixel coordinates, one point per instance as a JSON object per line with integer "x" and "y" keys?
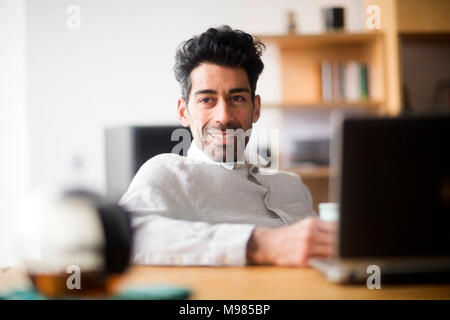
{"x": 183, "y": 112}
{"x": 256, "y": 108}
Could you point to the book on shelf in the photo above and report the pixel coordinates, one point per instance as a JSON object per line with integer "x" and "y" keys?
{"x": 335, "y": 82}
{"x": 344, "y": 81}
{"x": 327, "y": 93}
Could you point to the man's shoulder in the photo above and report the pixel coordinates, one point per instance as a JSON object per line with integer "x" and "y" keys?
{"x": 281, "y": 176}
{"x": 289, "y": 186}
{"x": 165, "y": 164}
{"x": 161, "y": 171}
{"x": 277, "y": 173}
{"x": 159, "y": 177}
{"x": 164, "y": 159}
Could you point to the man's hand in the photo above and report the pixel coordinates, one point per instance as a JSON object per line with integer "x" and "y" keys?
{"x": 292, "y": 245}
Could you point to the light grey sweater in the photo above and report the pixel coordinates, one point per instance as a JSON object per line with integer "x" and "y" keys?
{"x": 226, "y": 200}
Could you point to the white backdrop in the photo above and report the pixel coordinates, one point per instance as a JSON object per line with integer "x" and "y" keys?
{"x": 13, "y": 120}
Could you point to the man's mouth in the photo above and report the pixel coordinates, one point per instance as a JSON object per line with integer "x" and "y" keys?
{"x": 221, "y": 137}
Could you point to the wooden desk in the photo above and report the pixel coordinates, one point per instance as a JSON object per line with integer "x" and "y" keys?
{"x": 257, "y": 282}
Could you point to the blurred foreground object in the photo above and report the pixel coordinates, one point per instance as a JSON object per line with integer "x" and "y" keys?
{"x": 84, "y": 241}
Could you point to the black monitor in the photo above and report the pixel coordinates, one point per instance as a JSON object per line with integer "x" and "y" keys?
{"x": 128, "y": 148}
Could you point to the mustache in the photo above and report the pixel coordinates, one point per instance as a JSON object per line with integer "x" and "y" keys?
{"x": 221, "y": 127}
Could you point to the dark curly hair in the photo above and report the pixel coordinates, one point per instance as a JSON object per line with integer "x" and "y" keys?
{"x": 222, "y": 46}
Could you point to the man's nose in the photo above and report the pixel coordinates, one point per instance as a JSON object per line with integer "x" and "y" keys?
{"x": 223, "y": 112}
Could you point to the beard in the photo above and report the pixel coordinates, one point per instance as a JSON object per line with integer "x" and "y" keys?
{"x": 225, "y": 143}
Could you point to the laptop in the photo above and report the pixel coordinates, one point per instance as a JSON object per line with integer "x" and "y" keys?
{"x": 392, "y": 182}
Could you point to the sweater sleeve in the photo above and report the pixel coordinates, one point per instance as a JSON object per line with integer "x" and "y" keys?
{"x": 165, "y": 241}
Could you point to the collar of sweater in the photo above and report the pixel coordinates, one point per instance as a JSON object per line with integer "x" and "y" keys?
{"x": 195, "y": 152}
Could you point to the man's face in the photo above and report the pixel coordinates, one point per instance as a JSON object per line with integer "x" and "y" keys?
{"x": 220, "y": 99}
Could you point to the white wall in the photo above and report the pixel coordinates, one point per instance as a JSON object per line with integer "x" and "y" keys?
{"x": 13, "y": 126}
{"x": 60, "y": 88}
{"x": 117, "y": 69}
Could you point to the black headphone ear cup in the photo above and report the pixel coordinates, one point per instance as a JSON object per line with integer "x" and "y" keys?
{"x": 118, "y": 237}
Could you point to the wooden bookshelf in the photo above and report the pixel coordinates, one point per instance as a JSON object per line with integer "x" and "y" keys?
{"x": 326, "y": 105}
{"x": 429, "y": 19}
{"x": 318, "y": 40}
{"x": 301, "y": 56}
{"x": 311, "y": 172}
{"x": 300, "y": 59}
{"x": 423, "y": 16}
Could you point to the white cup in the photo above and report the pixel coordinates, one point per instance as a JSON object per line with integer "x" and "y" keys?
{"x": 329, "y": 211}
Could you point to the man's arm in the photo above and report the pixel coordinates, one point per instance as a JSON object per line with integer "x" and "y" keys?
{"x": 165, "y": 241}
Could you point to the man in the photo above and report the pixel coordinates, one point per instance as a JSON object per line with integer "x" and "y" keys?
{"x": 203, "y": 209}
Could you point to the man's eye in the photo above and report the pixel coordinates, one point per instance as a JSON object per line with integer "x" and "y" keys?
{"x": 205, "y": 100}
{"x": 238, "y": 98}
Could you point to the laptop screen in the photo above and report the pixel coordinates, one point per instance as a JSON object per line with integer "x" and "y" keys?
{"x": 394, "y": 187}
